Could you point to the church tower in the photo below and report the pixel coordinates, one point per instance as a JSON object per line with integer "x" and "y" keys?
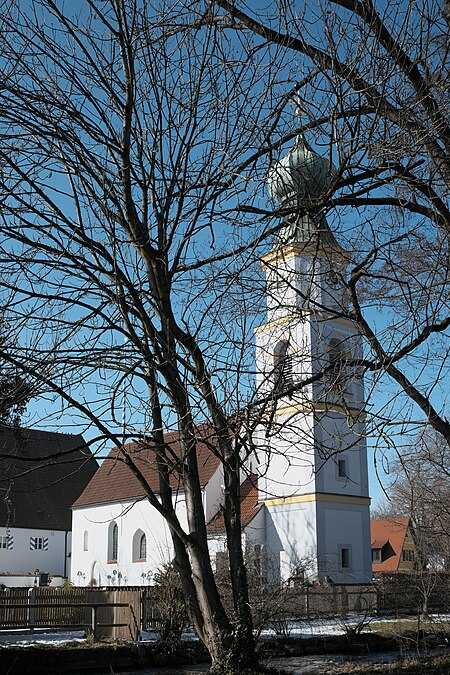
{"x": 313, "y": 455}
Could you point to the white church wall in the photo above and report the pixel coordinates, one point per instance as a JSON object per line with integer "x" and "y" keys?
{"x": 291, "y": 535}
{"x": 344, "y": 542}
{"x": 90, "y": 552}
{"x": 341, "y": 439}
{"x": 34, "y": 549}
{"x": 289, "y": 466}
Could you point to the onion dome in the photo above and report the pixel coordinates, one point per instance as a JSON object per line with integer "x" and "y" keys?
{"x": 300, "y": 176}
{"x": 296, "y": 181}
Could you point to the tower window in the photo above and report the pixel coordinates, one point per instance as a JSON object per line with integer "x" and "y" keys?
{"x": 283, "y": 375}
{"x": 337, "y": 362}
{"x": 331, "y": 277}
{"x": 342, "y": 468}
{"x": 345, "y": 558}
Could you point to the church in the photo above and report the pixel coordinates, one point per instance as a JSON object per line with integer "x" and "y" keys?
{"x": 304, "y": 494}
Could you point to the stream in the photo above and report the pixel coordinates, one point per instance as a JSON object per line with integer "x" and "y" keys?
{"x": 296, "y": 665}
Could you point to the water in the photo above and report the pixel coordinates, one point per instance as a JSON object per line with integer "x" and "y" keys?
{"x": 295, "y": 665}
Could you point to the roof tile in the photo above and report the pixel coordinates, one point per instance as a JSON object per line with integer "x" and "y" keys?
{"x": 392, "y": 531}
{"x": 114, "y": 480}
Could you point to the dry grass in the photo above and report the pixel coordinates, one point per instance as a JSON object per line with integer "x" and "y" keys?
{"x": 398, "y": 627}
{"x": 437, "y": 665}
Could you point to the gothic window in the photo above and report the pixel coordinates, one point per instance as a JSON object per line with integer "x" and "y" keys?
{"x": 139, "y": 546}
{"x": 283, "y": 375}
{"x": 143, "y": 547}
{"x": 113, "y": 542}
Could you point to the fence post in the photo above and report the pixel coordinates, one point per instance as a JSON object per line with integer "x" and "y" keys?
{"x": 94, "y": 621}
{"x": 32, "y": 610}
{"x": 344, "y": 602}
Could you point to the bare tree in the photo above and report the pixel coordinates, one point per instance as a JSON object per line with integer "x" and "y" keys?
{"x": 372, "y": 86}
{"x": 420, "y": 489}
{"x": 135, "y": 141}
{"x": 128, "y": 135}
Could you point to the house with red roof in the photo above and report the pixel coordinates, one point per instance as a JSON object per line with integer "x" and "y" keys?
{"x": 393, "y": 546}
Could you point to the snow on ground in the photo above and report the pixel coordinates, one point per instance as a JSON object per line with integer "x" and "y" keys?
{"x": 22, "y": 638}
{"x": 328, "y": 627}
{"x": 295, "y": 629}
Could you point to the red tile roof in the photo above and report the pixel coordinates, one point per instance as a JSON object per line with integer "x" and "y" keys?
{"x": 390, "y": 531}
{"x": 114, "y": 480}
{"x": 249, "y": 506}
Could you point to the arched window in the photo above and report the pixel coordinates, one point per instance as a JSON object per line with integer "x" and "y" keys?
{"x": 139, "y": 546}
{"x": 143, "y": 547}
{"x": 283, "y": 376}
{"x": 113, "y": 542}
{"x": 337, "y": 367}
{"x": 85, "y": 541}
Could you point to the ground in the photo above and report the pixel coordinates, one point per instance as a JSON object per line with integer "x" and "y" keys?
{"x": 325, "y": 647}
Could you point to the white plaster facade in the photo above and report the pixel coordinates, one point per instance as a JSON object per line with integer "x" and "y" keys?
{"x": 92, "y": 546}
{"x": 25, "y": 550}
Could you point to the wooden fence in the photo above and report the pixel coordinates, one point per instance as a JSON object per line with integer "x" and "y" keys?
{"x": 412, "y": 593}
{"x": 107, "y": 613}
{"x": 122, "y": 612}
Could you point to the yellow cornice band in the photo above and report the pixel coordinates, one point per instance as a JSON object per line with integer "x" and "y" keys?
{"x": 318, "y": 497}
{"x": 321, "y": 407}
{"x": 282, "y": 321}
{"x": 294, "y": 318}
{"x": 291, "y": 250}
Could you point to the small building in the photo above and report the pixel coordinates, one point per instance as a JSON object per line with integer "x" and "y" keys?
{"x": 41, "y": 475}
{"x": 393, "y": 546}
